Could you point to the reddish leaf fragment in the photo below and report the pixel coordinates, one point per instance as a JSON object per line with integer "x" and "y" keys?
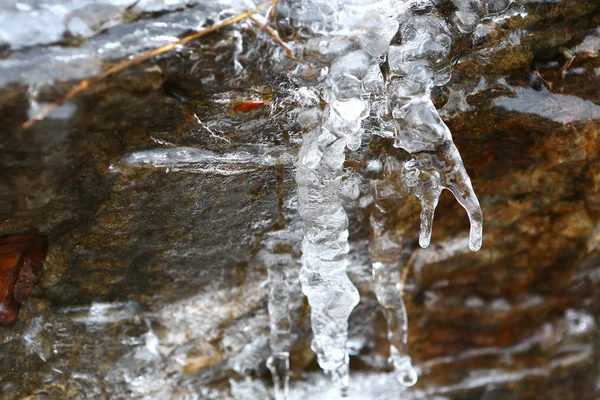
{"x": 249, "y": 106}
{"x": 21, "y": 260}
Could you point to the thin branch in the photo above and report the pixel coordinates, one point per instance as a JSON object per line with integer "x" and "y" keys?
{"x": 570, "y": 58}
{"x": 567, "y": 65}
{"x": 275, "y": 37}
{"x": 87, "y": 83}
{"x": 548, "y": 84}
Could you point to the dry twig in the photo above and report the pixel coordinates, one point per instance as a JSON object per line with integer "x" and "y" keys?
{"x": 570, "y": 58}
{"x": 275, "y": 37}
{"x": 548, "y": 84}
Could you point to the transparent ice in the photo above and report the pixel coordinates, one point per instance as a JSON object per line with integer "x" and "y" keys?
{"x": 279, "y": 264}
{"x": 391, "y": 253}
{"x": 343, "y": 45}
{"x": 416, "y": 65}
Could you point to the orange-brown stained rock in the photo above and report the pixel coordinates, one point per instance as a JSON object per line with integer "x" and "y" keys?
{"x": 21, "y": 260}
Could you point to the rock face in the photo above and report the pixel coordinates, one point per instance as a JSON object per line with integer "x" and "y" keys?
{"x": 160, "y": 198}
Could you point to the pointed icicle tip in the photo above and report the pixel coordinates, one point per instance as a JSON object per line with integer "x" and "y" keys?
{"x": 428, "y": 206}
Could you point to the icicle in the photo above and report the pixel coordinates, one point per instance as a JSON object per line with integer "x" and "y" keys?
{"x": 345, "y": 45}
{"x": 330, "y": 293}
{"x": 279, "y": 365}
{"x": 280, "y": 324}
{"x": 416, "y": 65}
{"x": 388, "y": 255}
{"x": 419, "y": 63}
{"x": 387, "y": 290}
{"x": 279, "y": 263}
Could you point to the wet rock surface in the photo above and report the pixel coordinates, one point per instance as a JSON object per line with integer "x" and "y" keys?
{"x": 157, "y": 199}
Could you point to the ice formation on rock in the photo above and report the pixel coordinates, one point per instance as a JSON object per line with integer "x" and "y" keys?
{"x": 174, "y": 352}
{"x": 342, "y": 46}
{"x": 416, "y": 65}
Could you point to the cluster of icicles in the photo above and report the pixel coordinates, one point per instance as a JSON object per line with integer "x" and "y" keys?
{"x": 343, "y": 45}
